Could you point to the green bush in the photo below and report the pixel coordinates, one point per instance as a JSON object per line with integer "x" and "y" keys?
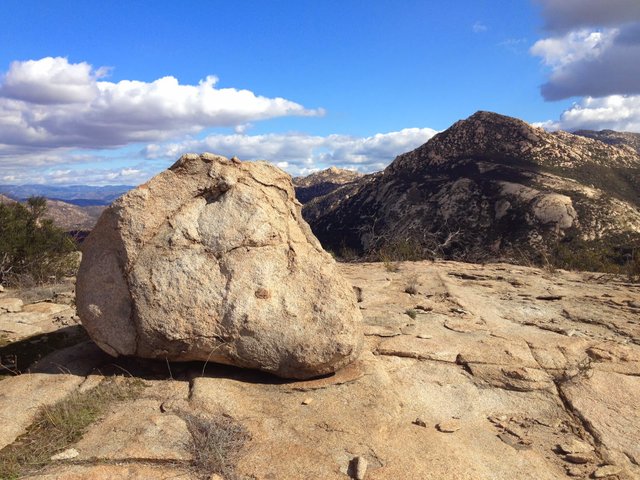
{"x": 617, "y": 255}
{"x": 32, "y": 248}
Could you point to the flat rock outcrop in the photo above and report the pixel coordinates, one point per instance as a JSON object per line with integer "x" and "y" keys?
{"x": 211, "y": 260}
{"x": 478, "y": 372}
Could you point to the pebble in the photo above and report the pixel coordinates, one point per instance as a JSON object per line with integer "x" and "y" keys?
{"x": 421, "y": 423}
{"x": 307, "y": 401}
{"x": 575, "y": 446}
{"x": 66, "y": 455}
{"x": 578, "y": 458}
{"x": 449, "y": 426}
{"x": 607, "y": 471}
{"x": 574, "y": 472}
{"x": 360, "y": 467}
{"x": 424, "y": 308}
{"x": 424, "y": 336}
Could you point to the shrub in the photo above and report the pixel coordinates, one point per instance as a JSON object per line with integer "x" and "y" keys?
{"x": 618, "y": 255}
{"x": 32, "y": 247}
{"x": 216, "y": 443}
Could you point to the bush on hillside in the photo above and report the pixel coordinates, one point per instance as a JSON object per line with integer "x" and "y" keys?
{"x": 32, "y": 248}
{"x": 618, "y": 255}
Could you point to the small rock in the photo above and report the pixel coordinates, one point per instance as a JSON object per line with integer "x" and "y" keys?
{"x": 359, "y": 467}
{"x": 10, "y": 305}
{"x": 66, "y": 455}
{"x": 1, "y": 289}
{"x": 424, "y": 336}
{"x": 575, "y": 446}
{"x": 513, "y": 441}
{"x": 550, "y": 297}
{"x": 307, "y": 401}
{"x": 449, "y": 426}
{"x": 607, "y": 471}
{"x": 215, "y": 476}
{"x": 574, "y": 471}
{"x": 418, "y": 421}
{"x": 424, "y": 308}
{"x": 578, "y": 458}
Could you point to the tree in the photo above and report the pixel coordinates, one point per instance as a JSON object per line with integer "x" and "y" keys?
{"x": 31, "y": 246}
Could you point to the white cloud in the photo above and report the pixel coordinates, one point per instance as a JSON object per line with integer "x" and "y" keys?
{"x": 572, "y": 47}
{"x": 69, "y": 176}
{"x": 298, "y": 154}
{"x": 479, "y": 27}
{"x": 301, "y": 154}
{"x": 616, "y": 112}
{"x": 51, "y": 103}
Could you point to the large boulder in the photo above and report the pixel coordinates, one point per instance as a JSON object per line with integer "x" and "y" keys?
{"x": 211, "y": 260}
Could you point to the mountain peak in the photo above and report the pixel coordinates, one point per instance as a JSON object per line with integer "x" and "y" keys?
{"x": 499, "y": 139}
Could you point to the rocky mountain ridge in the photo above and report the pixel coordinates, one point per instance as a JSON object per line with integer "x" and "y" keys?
{"x": 613, "y": 137}
{"x": 323, "y": 182}
{"x": 487, "y": 186}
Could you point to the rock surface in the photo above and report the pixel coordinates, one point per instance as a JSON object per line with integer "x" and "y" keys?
{"x": 211, "y": 260}
{"x": 534, "y": 385}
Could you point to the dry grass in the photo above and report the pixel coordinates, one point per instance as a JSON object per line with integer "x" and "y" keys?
{"x": 412, "y": 286}
{"x": 216, "y": 444}
{"x": 391, "y": 266}
{"x": 58, "y": 426}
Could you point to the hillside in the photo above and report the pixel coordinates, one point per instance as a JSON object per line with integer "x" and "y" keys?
{"x": 612, "y": 137}
{"x": 67, "y": 216}
{"x": 323, "y": 182}
{"x": 490, "y": 186}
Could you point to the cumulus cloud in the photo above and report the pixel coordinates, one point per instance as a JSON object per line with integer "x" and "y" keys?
{"x": 615, "y": 112}
{"x": 301, "y": 154}
{"x": 296, "y": 153}
{"x": 588, "y": 63}
{"x": 565, "y": 15}
{"x": 52, "y": 103}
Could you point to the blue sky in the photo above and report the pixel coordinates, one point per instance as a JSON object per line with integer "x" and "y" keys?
{"x": 305, "y": 84}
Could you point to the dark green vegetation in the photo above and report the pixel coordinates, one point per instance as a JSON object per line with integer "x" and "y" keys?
{"x": 32, "y": 249}
{"x": 618, "y": 255}
{"x": 60, "y": 425}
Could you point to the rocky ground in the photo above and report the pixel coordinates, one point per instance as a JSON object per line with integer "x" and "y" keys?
{"x": 468, "y": 372}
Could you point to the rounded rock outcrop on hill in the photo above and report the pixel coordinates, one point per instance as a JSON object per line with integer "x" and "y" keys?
{"x": 211, "y": 260}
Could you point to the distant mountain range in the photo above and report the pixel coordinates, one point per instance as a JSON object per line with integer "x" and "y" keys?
{"x": 82, "y": 195}
{"x": 488, "y": 187}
